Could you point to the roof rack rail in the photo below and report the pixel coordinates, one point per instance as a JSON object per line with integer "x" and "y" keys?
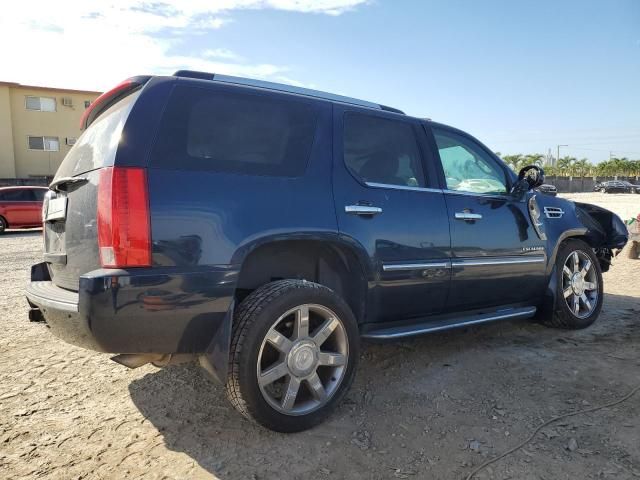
{"x": 216, "y": 77}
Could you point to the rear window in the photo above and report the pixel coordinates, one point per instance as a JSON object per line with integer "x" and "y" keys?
{"x": 249, "y": 133}
{"x": 97, "y": 145}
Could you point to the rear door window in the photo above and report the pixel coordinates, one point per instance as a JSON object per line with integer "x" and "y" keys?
{"x": 382, "y": 151}
{"x": 222, "y": 130}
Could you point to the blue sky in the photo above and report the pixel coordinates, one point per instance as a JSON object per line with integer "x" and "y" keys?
{"x": 523, "y": 76}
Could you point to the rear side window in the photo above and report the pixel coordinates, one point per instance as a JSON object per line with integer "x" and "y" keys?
{"x": 97, "y": 145}
{"x": 39, "y": 193}
{"x": 211, "y": 129}
{"x": 17, "y": 196}
{"x": 383, "y": 151}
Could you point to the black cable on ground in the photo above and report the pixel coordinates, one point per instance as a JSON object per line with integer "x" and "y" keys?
{"x": 549, "y": 422}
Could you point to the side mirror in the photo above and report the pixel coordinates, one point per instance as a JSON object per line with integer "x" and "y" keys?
{"x": 529, "y": 178}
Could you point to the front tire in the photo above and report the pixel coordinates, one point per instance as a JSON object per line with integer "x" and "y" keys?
{"x": 3, "y": 225}
{"x": 580, "y": 290}
{"x": 293, "y": 356}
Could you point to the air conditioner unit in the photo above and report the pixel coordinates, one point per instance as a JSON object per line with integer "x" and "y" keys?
{"x": 67, "y": 101}
{"x": 71, "y": 140}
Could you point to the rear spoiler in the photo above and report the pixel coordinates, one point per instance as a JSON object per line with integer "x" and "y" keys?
{"x": 109, "y": 98}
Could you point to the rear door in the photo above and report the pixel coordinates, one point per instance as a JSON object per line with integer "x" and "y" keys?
{"x": 497, "y": 257}
{"x": 386, "y": 203}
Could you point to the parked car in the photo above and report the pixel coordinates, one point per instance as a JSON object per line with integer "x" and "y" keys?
{"x": 548, "y": 189}
{"x": 616, "y": 186}
{"x": 264, "y": 230}
{"x": 21, "y": 207}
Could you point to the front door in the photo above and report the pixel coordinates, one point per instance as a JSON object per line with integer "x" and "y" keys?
{"x": 386, "y": 204}
{"x": 497, "y": 256}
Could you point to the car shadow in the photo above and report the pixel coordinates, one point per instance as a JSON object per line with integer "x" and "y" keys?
{"x": 191, "y": 413}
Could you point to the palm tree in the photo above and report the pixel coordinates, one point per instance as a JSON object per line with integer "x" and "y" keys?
{"x": 564, "y": 165}
{"x": 534, "y": 159}
{"x": 582, "y": 167}
{"x": 514, "y": 161}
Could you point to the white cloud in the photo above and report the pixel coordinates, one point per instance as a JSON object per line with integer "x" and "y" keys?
{"x": 95, "y": 44}
{"x": 221, "y": 53}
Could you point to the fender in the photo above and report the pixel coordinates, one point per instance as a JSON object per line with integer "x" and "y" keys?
{"x": 602, "y": 229}
{"x": 328, "y": 237}
{"x": 216, "y": 357}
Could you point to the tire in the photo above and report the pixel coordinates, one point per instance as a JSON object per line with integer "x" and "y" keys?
{"x": 582, "y": 287}
{"x": 274, "y": 311}
{"x": 3, "y": 225}
{"x": 603, "y": 190}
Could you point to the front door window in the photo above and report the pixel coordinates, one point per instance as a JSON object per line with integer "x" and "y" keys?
{"x": 467, "y": 167}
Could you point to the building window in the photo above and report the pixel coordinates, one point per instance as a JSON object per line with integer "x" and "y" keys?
{"x": 41, "y": 104}
{"x": 87, "y": 103}
{"x": 48, "y": 144}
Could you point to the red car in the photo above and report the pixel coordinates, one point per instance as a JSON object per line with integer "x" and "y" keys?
{"x": 21, "y": 207}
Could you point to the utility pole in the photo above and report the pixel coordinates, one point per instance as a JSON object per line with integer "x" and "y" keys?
{"x": 558, "y": 158}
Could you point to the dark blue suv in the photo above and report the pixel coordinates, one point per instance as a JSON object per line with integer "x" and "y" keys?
{"x": 263, "y": 230}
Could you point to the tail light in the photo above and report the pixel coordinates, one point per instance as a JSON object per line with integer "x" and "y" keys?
{"x": 124, "y": 231}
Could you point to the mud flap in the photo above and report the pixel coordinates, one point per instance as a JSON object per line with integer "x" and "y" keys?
{"x": 215, "y": 360}
{"x": 548, "y": 304}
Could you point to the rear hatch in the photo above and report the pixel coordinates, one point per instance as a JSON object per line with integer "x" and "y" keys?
{"x": 70, "y": 207}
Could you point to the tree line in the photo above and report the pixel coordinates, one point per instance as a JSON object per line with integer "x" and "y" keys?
{"x": 572, "y": 167}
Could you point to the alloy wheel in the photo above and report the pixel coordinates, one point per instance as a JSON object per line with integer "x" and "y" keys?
{"x": 580, "y": 284}
{"x": 302, "y": 359}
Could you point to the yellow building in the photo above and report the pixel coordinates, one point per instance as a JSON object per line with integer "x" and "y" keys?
{"x": 38, "y": 126}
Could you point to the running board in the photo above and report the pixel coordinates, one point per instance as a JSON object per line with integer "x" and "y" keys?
{"x": 402, "y": 331}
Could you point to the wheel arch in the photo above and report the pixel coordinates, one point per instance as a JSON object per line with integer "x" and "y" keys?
{"x": 330, "y": 260}
{"x": 548, "y": 304}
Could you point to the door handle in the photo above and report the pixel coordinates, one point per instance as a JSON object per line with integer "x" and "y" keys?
{"x": 468, "y": 216}
{"x": 362, "y": 209}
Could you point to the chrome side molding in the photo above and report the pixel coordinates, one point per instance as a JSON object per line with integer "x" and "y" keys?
{"x": 493, "y": 261}
{"x": 400, "y": 267}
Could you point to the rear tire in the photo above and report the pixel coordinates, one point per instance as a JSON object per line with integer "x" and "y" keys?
{"x": 580, "y": 292}
{"x": 293, "y": 355}
{"x": 603, "y": 190}
{"x": 3, "y": 225}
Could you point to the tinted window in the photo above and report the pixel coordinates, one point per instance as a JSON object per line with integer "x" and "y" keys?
{"x": 467, "y": 166}
{"x": 17, "y": 196}
{"x": 39, "y": 194}
{"x": 97, "y": 145}
{"x": 380, "y": 150}
{"x": 210, "y": 129}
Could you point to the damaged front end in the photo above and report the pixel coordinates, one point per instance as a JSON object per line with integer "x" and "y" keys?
{"x": 606, "y": 232}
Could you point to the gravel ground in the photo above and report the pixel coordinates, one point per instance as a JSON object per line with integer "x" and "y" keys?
{"x": 433, "y": 407}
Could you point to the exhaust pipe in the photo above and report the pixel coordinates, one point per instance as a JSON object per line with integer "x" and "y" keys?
{"x": 160, "y": 360}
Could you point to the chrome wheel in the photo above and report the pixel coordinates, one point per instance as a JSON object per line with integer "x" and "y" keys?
{"x": 580, "y": 284}
{"x": 302, "y": 359}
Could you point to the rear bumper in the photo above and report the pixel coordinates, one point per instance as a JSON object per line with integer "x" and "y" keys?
{"x": 158, "y": 310}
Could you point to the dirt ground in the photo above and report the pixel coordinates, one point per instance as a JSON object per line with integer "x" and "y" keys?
{"x": 433, "y": 407}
